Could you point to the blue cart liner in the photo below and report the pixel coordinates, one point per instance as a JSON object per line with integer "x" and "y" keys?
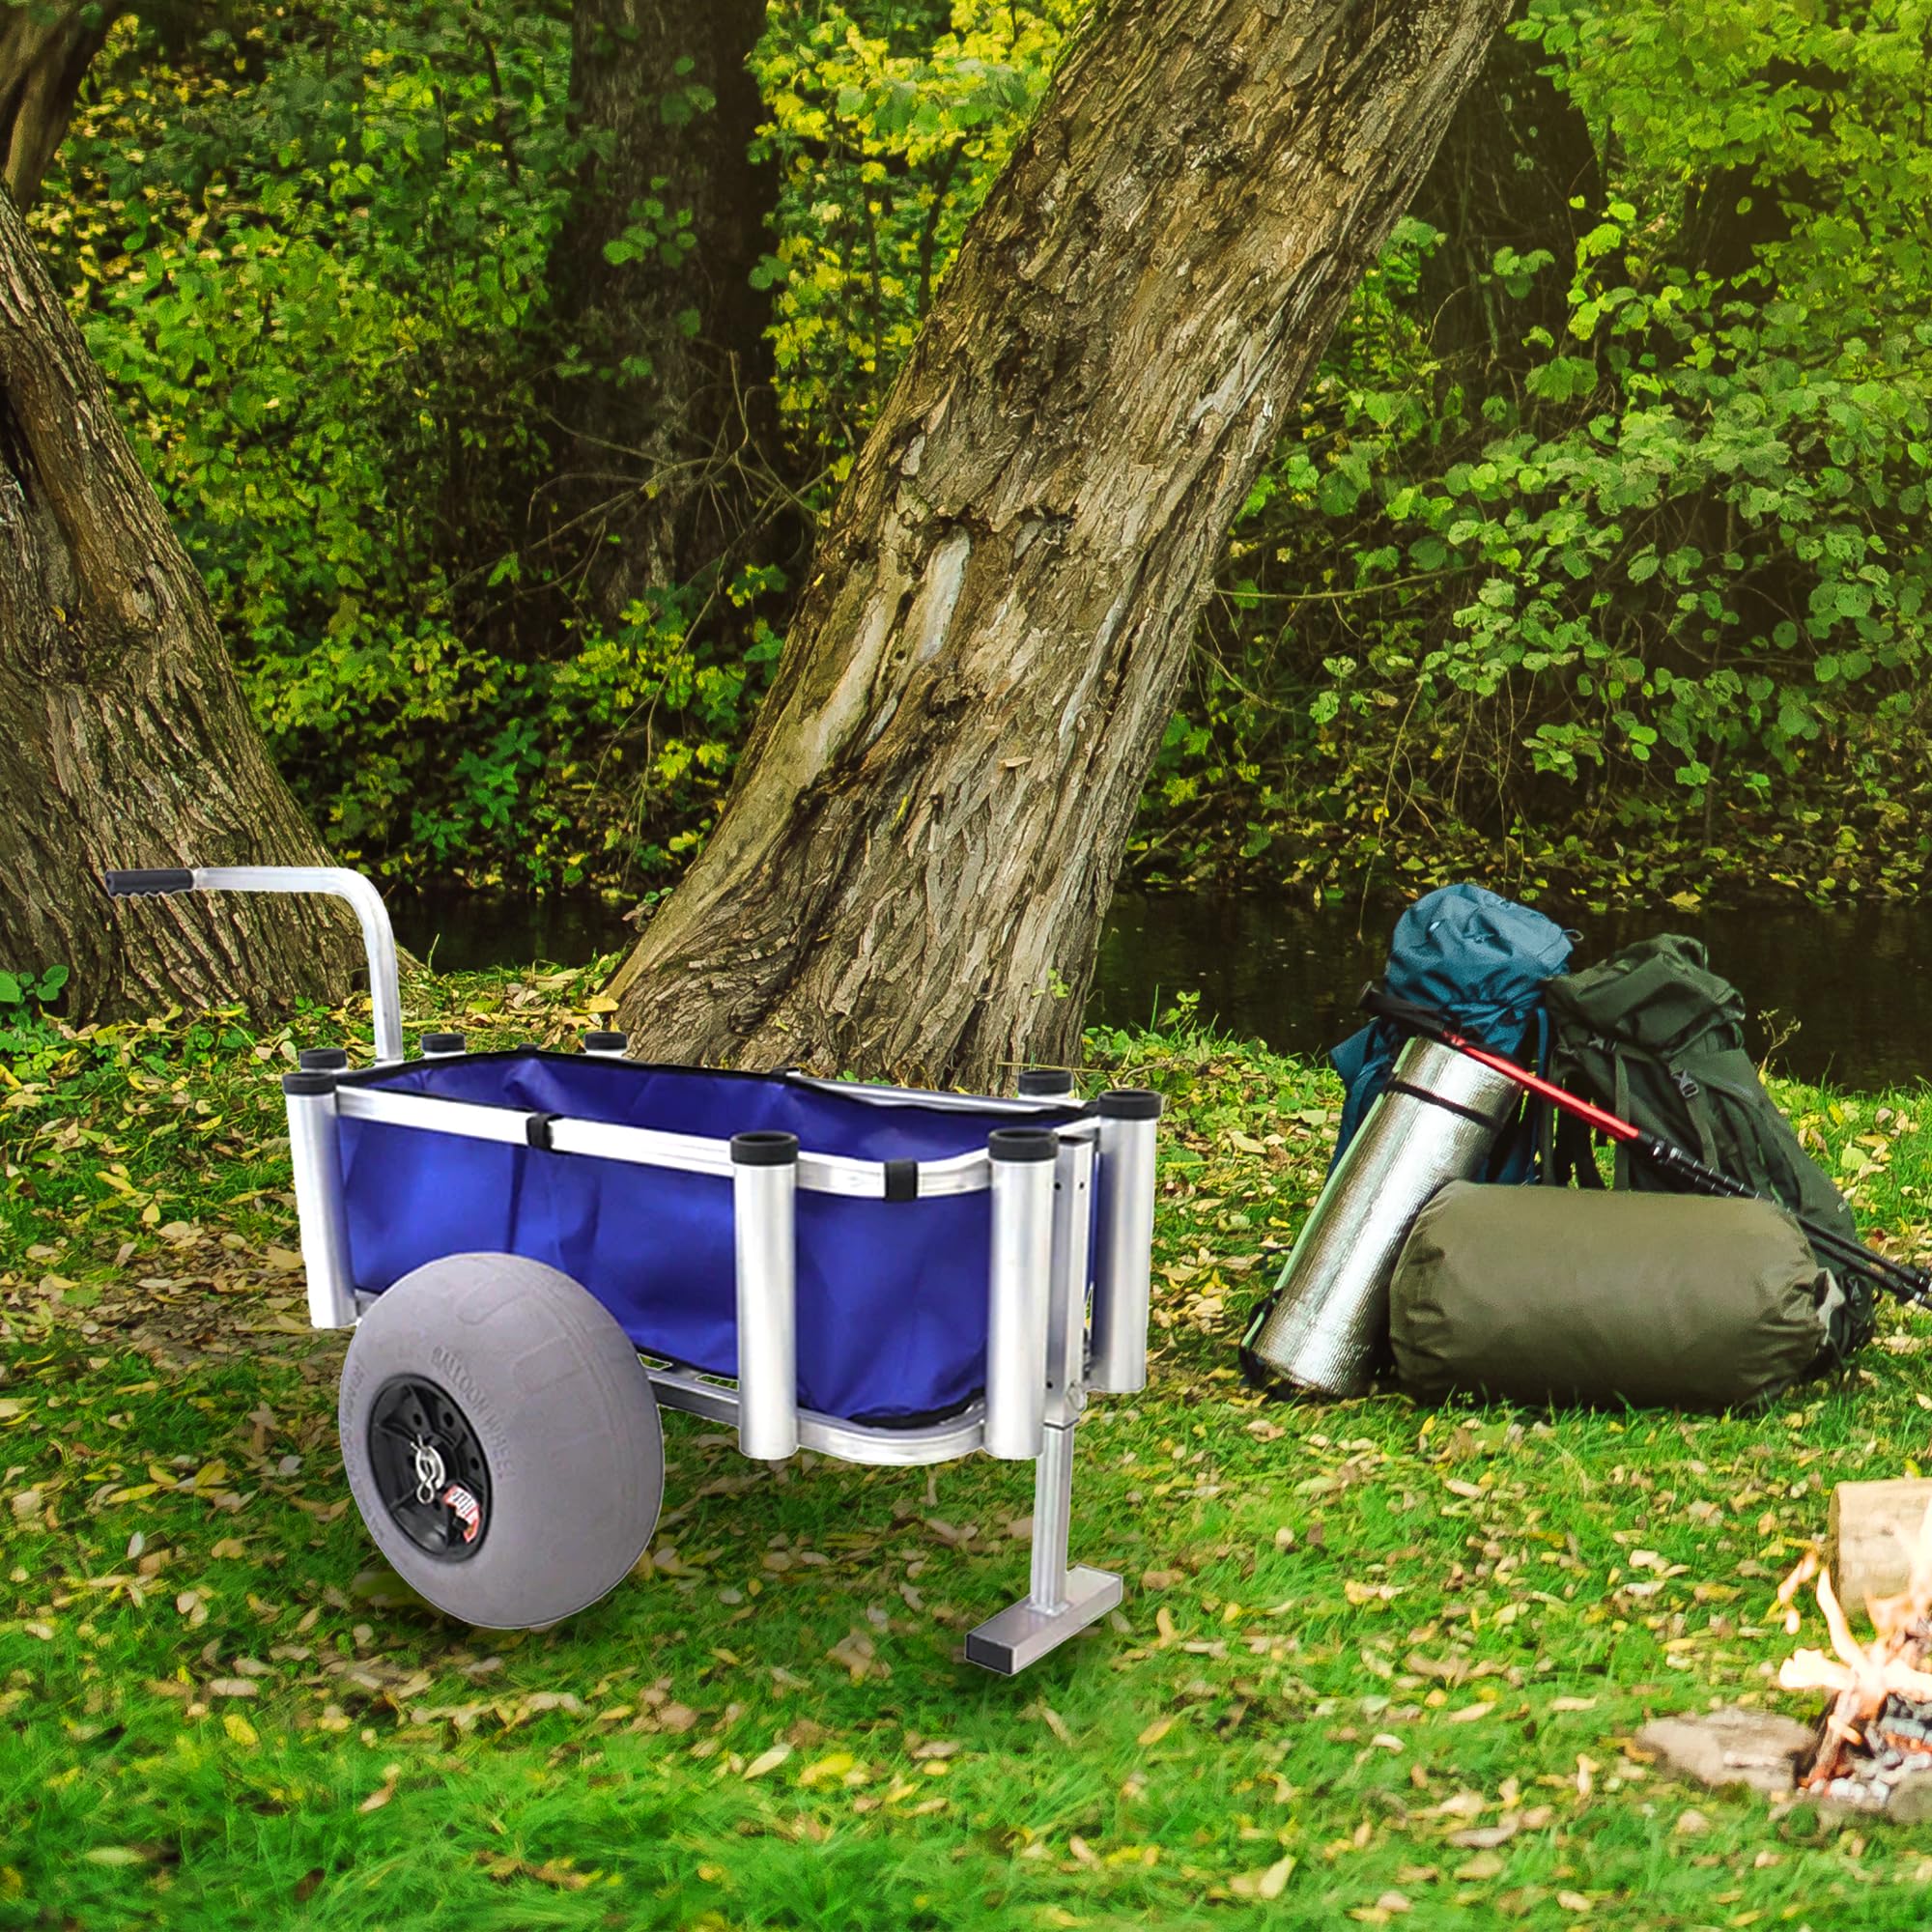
{"x": 892, "y": 1294}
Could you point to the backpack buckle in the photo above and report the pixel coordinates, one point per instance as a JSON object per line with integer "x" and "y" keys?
{"x": 1684, "y": 1084}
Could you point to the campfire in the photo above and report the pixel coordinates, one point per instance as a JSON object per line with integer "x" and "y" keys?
{"x": 1877, "y": 1730}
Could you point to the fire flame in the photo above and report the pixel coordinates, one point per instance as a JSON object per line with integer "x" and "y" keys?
{"x": 1863, "y": 1675}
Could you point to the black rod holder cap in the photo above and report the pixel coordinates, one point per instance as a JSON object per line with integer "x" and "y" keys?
{"x": 323, "y": 1060}
{"x": 764, "y": 1147}
{"x": 308, "y": 1084}
{"x": 606, "y": 1042}
{"x": 442, "y": 1042}
{"x": 1022, "y": 1144}
{"x": 1129, "y": 1103}
{"x": 1040, "y": 1083}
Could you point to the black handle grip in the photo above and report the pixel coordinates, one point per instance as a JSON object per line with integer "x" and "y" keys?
{"x": 1385, "y": 1006}
{"x": 149, "y": 884}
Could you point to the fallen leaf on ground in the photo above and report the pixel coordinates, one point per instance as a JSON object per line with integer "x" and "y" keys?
{"x": 1487, "y": 1837}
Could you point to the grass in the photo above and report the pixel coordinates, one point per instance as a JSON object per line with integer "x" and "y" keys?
{"x": 1375, "y": 1663}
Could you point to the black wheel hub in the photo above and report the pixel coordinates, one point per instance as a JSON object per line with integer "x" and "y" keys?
{"x": 430, "y": 1468}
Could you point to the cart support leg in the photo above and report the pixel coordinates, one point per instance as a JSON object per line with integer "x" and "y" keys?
{"x": 1063, "y": 1598}
{"x": 316, "y": 1154}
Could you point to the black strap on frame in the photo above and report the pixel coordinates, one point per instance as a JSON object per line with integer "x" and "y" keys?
{"x": 1448, "y": 1106}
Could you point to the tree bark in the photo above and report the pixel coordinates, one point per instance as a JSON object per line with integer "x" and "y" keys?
{"x": 124, "y": 736}
{"x": 912, "y": 870}
{"x": 46, "y": 47}
{"x": 665, "y": 427}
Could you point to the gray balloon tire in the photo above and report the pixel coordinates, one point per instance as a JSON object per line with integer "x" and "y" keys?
{"x": 566, "y": 1416}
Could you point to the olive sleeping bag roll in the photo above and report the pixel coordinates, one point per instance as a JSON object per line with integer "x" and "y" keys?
{"x": 1541, "y": 1294}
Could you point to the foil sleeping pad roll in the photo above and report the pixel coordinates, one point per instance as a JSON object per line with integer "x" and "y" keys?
{"x": 1324, "y": 1329}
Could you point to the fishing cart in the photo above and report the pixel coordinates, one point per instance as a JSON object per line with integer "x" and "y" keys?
{"x": 536, "y": 1250}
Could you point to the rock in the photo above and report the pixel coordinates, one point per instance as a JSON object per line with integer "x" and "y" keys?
{"x": 1734, "y": 1745}
{"x": 1911, "y": 1801}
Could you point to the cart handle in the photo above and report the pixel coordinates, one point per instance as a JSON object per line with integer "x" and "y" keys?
{"x": 378, "y": 940}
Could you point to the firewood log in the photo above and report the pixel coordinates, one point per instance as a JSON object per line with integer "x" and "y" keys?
{"x": 1874, "y": 1527}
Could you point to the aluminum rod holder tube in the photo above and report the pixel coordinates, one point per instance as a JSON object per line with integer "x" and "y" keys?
{"x": 1018, "y": 1289}
{"x": 1326, "y": 1326}
{"x": 1129, "y": 1118}
{"x": 315, "y": 1151}
{"x": 764, "y": 1191}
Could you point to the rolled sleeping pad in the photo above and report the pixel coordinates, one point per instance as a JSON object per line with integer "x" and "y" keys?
{"x": 1324, "y": 1329}
{"x": 1549, "y": 1294}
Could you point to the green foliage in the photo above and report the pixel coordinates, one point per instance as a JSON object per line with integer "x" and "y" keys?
{"x": 1667, "y": 572}
{"x": 28, "y": 1037}
{"x": 312, "y": 263}
{"x": 888, "y": 124}
{"x": 310, "y": 249}
{"x": 23, "y": 992}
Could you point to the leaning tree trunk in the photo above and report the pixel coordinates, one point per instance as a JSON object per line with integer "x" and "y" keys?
{"x": 666, "y": 417}
{"x": 124, "y": 736}
{"x": 45, "y": 46}
{"x": 911, "y": 873}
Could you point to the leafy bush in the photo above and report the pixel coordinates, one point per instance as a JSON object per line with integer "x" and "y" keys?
{"x": 888, "y": 126}
{"x": 1665, "y": 574}
{"x": 312, "y": 263}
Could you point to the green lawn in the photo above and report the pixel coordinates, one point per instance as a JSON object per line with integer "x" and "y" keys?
{"x": 1373, "y": 1661}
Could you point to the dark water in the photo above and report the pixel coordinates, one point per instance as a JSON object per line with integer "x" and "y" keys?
{"x": 1849, "y": 990}
{"x": 1844, "y": 994}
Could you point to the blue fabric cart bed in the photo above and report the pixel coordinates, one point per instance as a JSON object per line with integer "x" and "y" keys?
{"x": 891, "y": 1293}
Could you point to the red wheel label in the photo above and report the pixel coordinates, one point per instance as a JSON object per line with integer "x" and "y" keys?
{"x": 467, "y": 1507}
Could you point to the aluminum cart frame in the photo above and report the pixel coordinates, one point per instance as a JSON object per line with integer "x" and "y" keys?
{"x": 1071, "y": 1217}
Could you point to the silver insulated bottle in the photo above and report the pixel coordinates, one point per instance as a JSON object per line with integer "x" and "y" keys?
{"x": 1323, "y": 1330}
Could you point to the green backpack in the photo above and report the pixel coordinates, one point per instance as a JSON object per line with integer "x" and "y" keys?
{"x": 1654, "y": 1035}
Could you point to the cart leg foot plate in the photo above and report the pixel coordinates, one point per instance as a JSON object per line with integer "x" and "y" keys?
{"x": 1024, "y": 1633}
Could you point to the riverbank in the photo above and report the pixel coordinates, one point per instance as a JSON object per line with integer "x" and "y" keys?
{"x": 1375, "y": 1662}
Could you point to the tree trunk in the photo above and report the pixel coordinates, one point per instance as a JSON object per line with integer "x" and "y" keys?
{"x": 124, "y": 736}
{"x": 45, "y": 46}
{"x": 911, "y": 873}
{"x": 666, "y": 426}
